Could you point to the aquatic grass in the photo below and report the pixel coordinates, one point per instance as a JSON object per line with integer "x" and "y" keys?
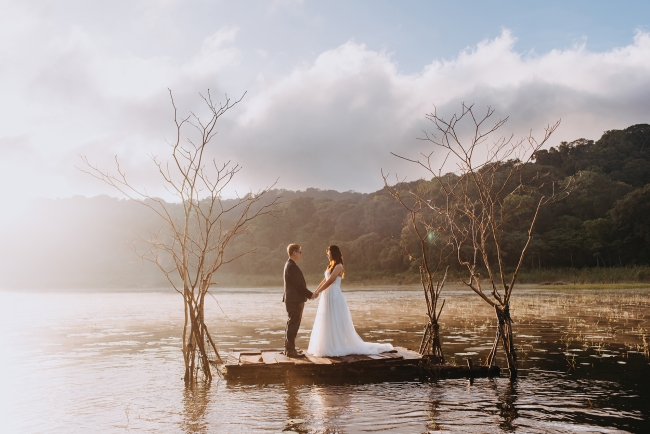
{"x": 596, "y": 286}
{"x": 591, "y": 323}
{"x": 566, "y": 278}
{"x": 572, "y": 363}
{"x": 587, "y": 276}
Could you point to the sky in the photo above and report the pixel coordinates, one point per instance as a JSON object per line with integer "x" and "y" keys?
{"x": 331, "y": 88}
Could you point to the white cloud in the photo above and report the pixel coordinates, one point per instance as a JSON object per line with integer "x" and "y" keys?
{"x": 216, "y": 53}
{"x": 330, "y": 122}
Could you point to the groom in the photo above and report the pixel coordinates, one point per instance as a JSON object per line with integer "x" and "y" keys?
{"x": 295, "y": 296}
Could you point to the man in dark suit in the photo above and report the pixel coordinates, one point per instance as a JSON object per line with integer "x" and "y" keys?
{"x": 295, "y": 296}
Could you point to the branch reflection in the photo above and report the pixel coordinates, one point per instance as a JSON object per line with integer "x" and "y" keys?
{"x": 506, "y": 398}
{"x": 432, "y": 414}
{"x": 195, "y": 402}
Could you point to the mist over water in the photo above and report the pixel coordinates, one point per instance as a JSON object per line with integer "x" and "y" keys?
{"x": 110, "y": 361}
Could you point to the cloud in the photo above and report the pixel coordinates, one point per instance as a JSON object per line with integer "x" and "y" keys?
{"x": 216, "y": 54}
{"x": 333, "y": 123}
{"x": 281, "y": 4}
{"x": 330, "y": 122}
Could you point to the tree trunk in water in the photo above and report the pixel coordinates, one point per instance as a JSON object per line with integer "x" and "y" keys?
{"x": 186, "y": 343}
{"x": 493, "y": 351}
{"x": 431, "y": 344}
{"x": 505, "y": 333}
{"x": 196, "y": 356}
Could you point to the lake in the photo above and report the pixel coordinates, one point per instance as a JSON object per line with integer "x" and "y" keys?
{"x": 110, "y": 361}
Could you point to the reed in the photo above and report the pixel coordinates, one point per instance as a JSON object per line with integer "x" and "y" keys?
{"x": 566, "y": 278}
{"x": 581, "y": 276}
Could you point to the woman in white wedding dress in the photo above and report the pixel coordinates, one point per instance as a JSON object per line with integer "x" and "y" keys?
{"x": 333, "y": 333}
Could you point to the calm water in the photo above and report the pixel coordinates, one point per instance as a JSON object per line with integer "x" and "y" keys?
{"x": 110, "y": 362}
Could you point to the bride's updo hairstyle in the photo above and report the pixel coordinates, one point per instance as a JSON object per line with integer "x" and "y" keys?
{"x": 337, "y": 258}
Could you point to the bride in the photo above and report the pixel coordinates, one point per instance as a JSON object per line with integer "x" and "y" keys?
{"x": 333, "y": 333}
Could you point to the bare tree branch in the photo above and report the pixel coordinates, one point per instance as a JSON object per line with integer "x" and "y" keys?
{"x": 192, "y": 246}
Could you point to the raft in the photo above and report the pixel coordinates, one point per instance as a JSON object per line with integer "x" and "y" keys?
{"x": 400, "y": 364}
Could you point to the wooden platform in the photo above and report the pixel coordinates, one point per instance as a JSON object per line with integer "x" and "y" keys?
{"x": 270, "y": 365}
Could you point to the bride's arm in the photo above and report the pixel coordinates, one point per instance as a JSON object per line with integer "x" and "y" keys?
{"x": 320, "y": 285}
{"x": 317, "y": 290}
{"x": 326, "y": 283}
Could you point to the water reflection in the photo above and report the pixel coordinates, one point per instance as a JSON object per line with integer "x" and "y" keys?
{"x": 506, "y": 398}
{"x": 432, "y": 413}
{"x": 102, "y": 361}
{"x": 331, "y": 404}
{"x": 295, "y": 411}
{"x": 196, "y": 400}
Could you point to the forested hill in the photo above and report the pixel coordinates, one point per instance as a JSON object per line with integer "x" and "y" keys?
{"x": 86, "y": 242}
{"x": 623, "y": 155}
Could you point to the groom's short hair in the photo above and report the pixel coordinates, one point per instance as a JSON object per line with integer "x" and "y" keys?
{"x": 292, "y": 248}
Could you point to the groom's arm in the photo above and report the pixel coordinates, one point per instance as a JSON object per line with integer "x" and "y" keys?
{"x": 298, "y": 281}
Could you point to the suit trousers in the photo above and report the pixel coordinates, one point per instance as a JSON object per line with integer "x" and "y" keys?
{"x": 294, "y": 311}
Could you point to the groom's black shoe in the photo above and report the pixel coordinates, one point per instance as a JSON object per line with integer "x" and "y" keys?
{"x": 293, "y": 354}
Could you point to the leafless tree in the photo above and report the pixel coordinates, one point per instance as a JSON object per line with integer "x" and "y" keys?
{"x": 190, "y": 247}
{"x": 490, "y": 186}
{"x": 427, "y": 226}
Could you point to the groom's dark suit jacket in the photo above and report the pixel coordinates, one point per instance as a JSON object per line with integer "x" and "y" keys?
{"x": 295, "y": 287}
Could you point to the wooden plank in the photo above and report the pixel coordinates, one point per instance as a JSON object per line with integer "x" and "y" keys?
{"x": 269, "y": 364}
{"x": 392, "y": 355}
{"x": 282, "y": 359}
{"x": 342, "y": 359}
{"x": 318, "y": 360}
{"x": 252, "y": 359}
{"x": 377, "y": 357}
{"x": 383, "y": 356}
{"x": 354, "y": 358}
{"x": 233, "y": 358}
{"x": 272, "y": 350}
{"x": 408, "y": 354}
{"x": 268, "y": 358}
{"x": 302, "y": 361}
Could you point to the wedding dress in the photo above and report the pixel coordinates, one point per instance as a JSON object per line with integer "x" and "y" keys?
{"x": 333, "y": 333}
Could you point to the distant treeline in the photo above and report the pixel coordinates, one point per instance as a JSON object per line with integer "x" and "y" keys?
{"x": 605, "y": 222}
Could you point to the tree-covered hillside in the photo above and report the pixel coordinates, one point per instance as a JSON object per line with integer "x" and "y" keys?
{"x": 605, "y": 222}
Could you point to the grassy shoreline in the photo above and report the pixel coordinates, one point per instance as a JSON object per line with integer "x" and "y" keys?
{"x": 561, "y": 278}
{"x": 568, "y": 278}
